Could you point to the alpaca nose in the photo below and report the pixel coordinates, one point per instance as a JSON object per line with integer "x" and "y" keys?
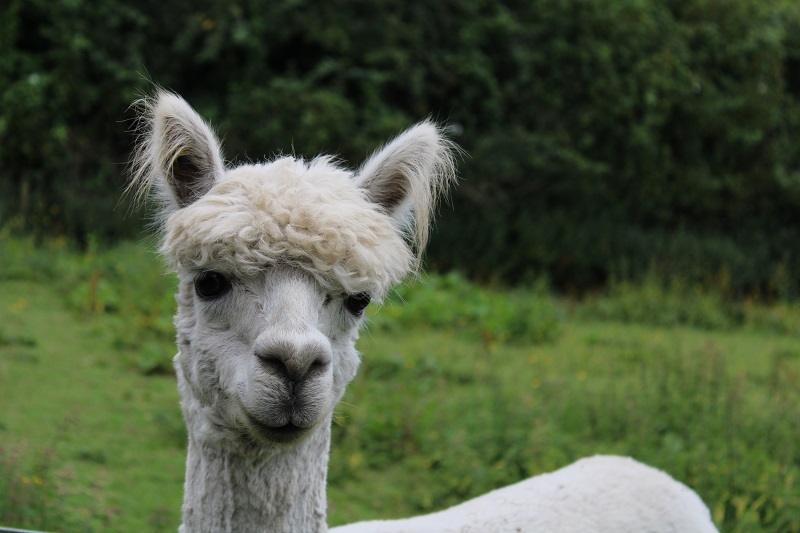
{"x": 294, "y": 356}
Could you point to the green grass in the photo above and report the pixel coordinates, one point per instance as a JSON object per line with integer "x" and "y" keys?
{"x": 114, "y": 463}
{"x": 457, "y": 394}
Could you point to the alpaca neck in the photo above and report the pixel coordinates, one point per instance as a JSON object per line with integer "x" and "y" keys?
{"x": 284, "y": 491}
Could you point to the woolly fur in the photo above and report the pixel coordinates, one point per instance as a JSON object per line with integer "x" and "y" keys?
{"x": 287, "y": 212}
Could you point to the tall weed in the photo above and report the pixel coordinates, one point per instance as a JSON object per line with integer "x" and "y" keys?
{"x": 29, "y": 496}
{"x": 657, "y": 302}
{"x": 449, "y": 302}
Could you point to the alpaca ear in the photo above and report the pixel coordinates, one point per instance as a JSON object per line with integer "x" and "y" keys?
{"x": 176, "y": 150}
{"x": 407, "y": 176}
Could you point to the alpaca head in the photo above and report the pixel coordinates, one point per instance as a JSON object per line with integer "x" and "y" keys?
{"x": 276, "y": 263}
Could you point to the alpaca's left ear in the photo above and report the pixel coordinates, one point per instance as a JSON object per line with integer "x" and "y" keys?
{"x": 407, "y": 176}
{"x": 177, "y": 151}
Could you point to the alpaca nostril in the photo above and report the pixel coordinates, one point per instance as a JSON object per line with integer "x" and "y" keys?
{"x": 273, "y": 364}
{"x": 319, "y": 366}
{"x": 292, "y": 370}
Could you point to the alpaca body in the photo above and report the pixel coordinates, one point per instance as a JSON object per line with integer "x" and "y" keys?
{"x": 276, "y": 263}
{"x": 599, "y": 494}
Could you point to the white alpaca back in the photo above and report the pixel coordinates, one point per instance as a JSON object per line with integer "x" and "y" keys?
{"x": 601, "y": 494}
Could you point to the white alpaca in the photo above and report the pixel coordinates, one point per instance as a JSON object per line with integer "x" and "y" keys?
{"x": 276, "y": 263}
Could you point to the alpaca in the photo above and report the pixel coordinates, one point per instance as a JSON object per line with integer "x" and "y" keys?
{"x": 276, "y": 263}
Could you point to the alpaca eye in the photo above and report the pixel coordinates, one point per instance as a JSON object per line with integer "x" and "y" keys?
{"x": 210, "y": 285}
{"x": 356, "y": 303}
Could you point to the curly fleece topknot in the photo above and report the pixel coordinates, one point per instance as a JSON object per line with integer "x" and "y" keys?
{"x": 310, "y": 215}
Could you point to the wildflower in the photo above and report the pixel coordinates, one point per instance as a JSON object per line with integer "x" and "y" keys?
{"x": 355, "y": 460}
{"x": 19, "y": 306}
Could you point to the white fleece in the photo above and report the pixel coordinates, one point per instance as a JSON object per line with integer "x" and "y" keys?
{"x": 600, "y": 494}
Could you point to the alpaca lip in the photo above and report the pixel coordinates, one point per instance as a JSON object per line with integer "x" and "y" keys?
{"x": 283, "y": 434}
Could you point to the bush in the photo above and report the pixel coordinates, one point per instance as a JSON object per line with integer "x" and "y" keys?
{"x": 632, "y": 134}
{"x": 450, "y": 302}
{"x": 657, "y": 302}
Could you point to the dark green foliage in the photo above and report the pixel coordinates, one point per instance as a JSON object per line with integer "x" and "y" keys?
{"x": 637, "y": 133}
{"x": 67, "y": 75}
{"x": 605, "y": 138}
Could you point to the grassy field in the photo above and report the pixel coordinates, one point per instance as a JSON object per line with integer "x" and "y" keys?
{"x": 461, "y": 390}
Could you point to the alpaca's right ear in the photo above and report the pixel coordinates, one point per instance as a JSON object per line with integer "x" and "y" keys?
{"x": 176, "y": 150}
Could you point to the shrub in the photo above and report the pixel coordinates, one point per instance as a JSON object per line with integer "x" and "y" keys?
{"x": 658, "y": 302}
{"x": 450, "y": 302}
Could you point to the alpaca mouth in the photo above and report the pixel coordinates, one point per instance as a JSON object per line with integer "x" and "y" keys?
{"x": 285, "y": 434}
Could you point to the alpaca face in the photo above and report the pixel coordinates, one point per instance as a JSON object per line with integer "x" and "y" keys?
{"x": 276, "y": 263}
{"x": 266, "y": 356}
